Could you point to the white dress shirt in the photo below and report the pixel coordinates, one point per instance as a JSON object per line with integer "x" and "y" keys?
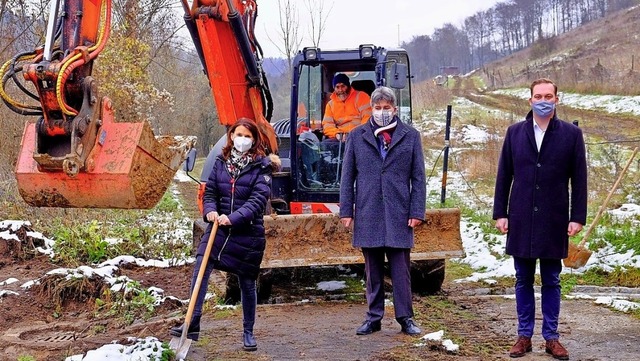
{"x": 539, "y": 134}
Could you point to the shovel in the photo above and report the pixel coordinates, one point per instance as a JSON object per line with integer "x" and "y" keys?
{"x": 579, "y": 254}
{"x": 181, "y": 344}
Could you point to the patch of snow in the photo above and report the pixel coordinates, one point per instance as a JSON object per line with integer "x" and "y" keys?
{"x": 8, "y": 281}
{"x": 149, "y": 348}
{"x": 434, "y": 336}
{"x": 8, "y": 228}
{"x": 165, "y": 263}
{"x": 473, "y": 134}
{"x": 13, "y": 225}
{"x": 28, "y": 284}
{"x": 579, "y": 296}
{"x": 625, "y": 211}
{"x": 181, "y": 176}
{"x": 225, "y": 307}
{"x": 618, "y": 304}
{"x": 8, "y": 236}
{"x": 450, "y": 346}
{"x": 331, "y": 285}
{"x": 7, "y": 292}
{"x": 48, "y": 243}
{"x": 537, "y": 296}
{"x": 84, "y": 271}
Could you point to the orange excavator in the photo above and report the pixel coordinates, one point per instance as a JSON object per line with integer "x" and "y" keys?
{"x": 76, "y": 155}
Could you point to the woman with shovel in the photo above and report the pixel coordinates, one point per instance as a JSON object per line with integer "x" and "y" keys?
{"x": 540, "y": 201}
{"x": 235, "y": 198}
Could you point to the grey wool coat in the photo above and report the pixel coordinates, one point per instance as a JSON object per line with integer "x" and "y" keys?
{"x": 541, "y": 192}
{"x": 385, "y": 193}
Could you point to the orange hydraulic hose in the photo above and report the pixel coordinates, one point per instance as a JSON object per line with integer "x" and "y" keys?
{"x": 77, "y": 60}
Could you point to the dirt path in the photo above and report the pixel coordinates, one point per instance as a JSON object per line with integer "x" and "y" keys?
{"x": 320, "y": 331}
{"x": 484, "y": 327}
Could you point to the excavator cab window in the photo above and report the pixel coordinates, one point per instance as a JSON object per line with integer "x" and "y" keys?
{"x": 367, "y": 86}
{"x": 319, "y": 161}
{"x": 310, "y": 98}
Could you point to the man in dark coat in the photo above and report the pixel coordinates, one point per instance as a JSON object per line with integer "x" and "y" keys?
{"x": 540, "y": 200}
{"x": 383, "y": 177}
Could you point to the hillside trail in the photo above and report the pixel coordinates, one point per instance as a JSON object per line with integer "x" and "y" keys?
{"x": 620, "y": 127}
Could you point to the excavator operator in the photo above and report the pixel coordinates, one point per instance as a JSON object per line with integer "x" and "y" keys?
{"x": 347, "y": 109}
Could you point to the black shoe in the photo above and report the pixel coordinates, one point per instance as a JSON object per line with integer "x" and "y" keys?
{"x": 192, "y": 334}
{"x": 369, "y": 327}
{"x": 409, "y": 327}
{"x": 249, "y": 342}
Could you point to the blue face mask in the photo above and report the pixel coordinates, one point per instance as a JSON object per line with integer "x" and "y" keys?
{"x": 543, "y": 108}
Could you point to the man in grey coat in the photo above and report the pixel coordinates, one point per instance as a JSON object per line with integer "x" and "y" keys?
{"x": 383, "y": 192}
{"x": 540, "y": 201}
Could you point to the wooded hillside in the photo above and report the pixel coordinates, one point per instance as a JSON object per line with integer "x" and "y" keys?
{"x": 502, "y": 30}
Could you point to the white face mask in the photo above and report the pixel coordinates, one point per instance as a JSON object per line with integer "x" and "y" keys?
{"x": 382, "y": 117}
{"x": 242, "y": 144}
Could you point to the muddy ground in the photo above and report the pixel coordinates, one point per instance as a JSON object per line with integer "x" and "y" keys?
{"x": 309, "y": 325}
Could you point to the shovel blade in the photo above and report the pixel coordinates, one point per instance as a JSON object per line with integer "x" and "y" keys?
{"x": 577, "y": 257}
{"x": 180, "y": 346}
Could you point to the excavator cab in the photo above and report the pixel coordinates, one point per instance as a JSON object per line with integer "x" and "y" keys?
{"x": 315, "y": 162}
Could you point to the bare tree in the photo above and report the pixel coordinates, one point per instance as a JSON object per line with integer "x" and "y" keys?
{"x": 289, "y": 39}
{"x": 478, "y": 32}
{"x": 317, "y": 19}
{"x": 508, "y": 23}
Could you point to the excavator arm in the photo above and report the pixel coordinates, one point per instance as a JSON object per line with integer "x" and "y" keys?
{"x": 222, "y": 31}
{"x": 75, "y": 154}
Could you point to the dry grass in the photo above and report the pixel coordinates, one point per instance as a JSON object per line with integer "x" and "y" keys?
{"x": 428, "y": 96}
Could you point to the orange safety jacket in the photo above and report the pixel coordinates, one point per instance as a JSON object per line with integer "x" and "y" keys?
{"x": 342, "y": 116}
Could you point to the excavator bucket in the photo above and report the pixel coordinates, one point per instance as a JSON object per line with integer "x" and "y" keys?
{"x": 128, "y": 167}
{"x": 320, "y": 239}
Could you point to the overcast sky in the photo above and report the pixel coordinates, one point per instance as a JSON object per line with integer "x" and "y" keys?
{"x": 379, "y": 22}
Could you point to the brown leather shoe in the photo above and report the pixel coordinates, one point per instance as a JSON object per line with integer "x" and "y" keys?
{"x": 556, "y": 350}
{"x": 522, "y": 346}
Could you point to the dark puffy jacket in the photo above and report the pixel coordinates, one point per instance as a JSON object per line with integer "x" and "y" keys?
{"x": 238, "y": 248}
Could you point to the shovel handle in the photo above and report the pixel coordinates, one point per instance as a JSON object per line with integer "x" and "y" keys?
{"x": 196, "y": 286}
{"x": 604, "y": 204}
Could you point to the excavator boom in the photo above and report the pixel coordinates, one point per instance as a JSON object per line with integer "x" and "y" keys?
{"x": 76, "y": 154}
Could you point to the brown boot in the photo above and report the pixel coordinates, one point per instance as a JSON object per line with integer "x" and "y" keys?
{"x": 556, "y": 350}
{"x": 522, "y": 346}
